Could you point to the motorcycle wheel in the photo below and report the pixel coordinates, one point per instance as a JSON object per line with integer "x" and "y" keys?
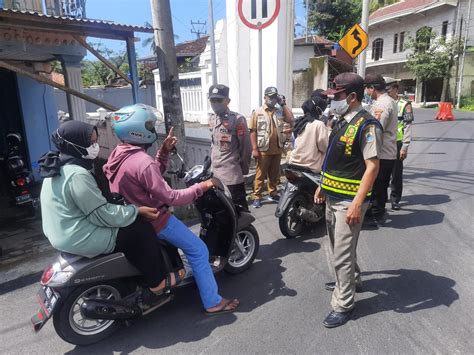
{"x": 244, "y": 251}
{"x": 73, "y": 327}
{"x": 290, "y": 224}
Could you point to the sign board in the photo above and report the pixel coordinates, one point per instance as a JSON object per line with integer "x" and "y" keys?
{"x": 258, "y": 14}
{"x": 354, "y": 41}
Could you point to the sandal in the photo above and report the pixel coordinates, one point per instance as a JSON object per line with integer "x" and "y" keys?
{"x": 225, "y": 308}
{"x": 168, "y": 285}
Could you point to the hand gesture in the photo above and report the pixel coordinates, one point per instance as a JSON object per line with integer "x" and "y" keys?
{"x": 319, "y": 197}
{"x": 170, "y": 141}
{"x": 353, "y": 215}
{"x": 149, "y": 213}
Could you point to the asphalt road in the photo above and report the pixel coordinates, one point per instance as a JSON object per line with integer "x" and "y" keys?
{"x": 419, "y": 290}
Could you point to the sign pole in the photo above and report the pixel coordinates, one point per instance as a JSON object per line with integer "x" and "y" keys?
{"x": 365, "y": 26}
{"x": 260, "y": 67}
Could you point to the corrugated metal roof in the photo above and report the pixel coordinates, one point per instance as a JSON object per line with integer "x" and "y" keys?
{"x": 73, "y": 20}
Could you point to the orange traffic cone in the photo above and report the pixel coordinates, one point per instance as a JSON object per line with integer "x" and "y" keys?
{"x": 445, "y": 112}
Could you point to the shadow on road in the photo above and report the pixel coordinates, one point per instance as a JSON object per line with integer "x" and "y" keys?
{"x": 404, "y": 291}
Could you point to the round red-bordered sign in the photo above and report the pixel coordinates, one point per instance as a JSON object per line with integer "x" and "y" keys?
{"x": 263, "y": 24}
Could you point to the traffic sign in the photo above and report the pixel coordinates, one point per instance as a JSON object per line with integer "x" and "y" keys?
{"x": 354, "y": 41}
{"x": 258, "y": 14}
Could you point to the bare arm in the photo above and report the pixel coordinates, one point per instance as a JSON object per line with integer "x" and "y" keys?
{"x": 288, "y": 115}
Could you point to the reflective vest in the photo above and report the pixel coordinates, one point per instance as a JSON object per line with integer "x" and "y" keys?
{"x": 402, "y": 104}
{"x": 344, "y": 165}
{"x": 264, "y": 127}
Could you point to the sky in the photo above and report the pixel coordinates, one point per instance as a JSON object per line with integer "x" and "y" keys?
{"x": 137, "y": 12}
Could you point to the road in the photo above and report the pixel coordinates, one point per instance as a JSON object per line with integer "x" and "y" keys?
{"x": 418, "y": 286}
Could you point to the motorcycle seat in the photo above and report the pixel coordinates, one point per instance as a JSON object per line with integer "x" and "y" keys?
{"x": 301, "y": 168}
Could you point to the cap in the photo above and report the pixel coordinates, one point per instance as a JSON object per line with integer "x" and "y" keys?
{"x": 319, "y": 93}
{"x": 374, "y": 79}
{"x": 391, "y": 81}
{"x": 218, "y": 91}
{"x": 271, "y": 90}
{"x": 347, "y": 82}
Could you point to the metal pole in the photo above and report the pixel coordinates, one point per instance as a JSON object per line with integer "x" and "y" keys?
{"x": 260, "y": 67}
{"x": 132, "y": 63}
{"x": 213, "y": 43}
{"x": 461, "y": 70}
{"x": 364, "y": 23}
{"x": 307, "y": 21}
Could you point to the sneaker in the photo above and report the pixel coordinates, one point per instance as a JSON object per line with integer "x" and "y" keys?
{"x": 274, "y": 198}
{"x": 257, "y": 203}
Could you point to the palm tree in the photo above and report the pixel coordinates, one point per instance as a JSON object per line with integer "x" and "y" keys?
{"x": 150, "y": 41}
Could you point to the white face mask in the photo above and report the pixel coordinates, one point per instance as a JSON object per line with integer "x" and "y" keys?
{"x": 339, "y": 107}
{"x": 92, "y": 151}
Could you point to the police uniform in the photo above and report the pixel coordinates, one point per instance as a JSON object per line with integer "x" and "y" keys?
{"x": 231, "y": 148}
{"x": 405, "y": 120}
{"x": 385, "y": 110}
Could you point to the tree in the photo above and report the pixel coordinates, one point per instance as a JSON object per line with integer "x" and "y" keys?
{"x": 432, "y": 57}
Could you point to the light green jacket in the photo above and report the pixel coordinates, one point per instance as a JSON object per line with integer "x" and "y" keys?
{"x": 77, "y": 218}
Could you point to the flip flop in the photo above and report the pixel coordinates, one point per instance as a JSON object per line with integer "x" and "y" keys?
{"x": 223, "y": 310}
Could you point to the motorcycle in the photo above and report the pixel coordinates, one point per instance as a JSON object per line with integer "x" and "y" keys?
{"x": 21, "y": 179}
{"x": 89, "y": 299}
{"x": 296, "y": 209}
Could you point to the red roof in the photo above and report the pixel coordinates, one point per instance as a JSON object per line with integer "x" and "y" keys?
{"x": 191, "y": 48}
{"x": 314, "y": 39}
{"x": 401, "y": 6}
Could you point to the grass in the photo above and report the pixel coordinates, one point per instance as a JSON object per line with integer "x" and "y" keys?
{"x": 467, "y": 104}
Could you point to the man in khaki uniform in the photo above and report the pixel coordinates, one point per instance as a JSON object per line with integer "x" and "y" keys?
{"x": 385, "y": 110}
{"x": 349, "y": 170}
{"x": 268, "y": 136}
{"x": 230, "y": 150}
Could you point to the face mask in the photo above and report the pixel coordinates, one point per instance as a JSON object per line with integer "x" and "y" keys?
{"x": 218, "y": 107}
{"x": 92, "y": 151}
{"x": 271, "y": 102}
{"x": 339, "y": 107}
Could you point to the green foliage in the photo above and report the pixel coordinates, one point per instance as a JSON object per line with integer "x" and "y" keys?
{"x": 377, "y": 4}
{"x": 467, "y": 104}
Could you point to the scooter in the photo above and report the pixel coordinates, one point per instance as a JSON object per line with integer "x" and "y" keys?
{"x": 296, "y": 209}
{"x": 89, "y": 299}
{"x": 19, "y": 175}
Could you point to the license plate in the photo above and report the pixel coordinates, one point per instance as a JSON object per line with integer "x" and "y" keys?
{"x": 48, "y": 299}
{"x": 23, "y": 198}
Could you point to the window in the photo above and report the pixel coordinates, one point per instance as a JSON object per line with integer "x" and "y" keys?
{"x": 444, "y": 30}
{"x": 402, "y": 40}
{"x": 395, "y": 42}
{"x": 377, "y": 49}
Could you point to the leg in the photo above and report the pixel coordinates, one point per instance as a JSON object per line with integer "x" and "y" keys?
{"x": 239, "y": 194}
{"x": 396, "y": 185}
{"x": 261, "y": 173}
{"x": 274, "y": 174}
{"x": 197, "y": 254}
{"x": 379, "y": 192}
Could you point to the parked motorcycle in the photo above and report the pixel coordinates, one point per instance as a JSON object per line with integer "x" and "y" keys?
{"x": 88, "y": 299}
{"x": 296, "y": 209}
{"x": 21, "y": 179}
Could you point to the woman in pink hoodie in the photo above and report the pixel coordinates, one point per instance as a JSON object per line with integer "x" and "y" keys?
{"x": 138, "y": 178}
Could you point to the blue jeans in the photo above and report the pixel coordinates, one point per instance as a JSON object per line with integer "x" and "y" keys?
{"x": 176, "y": 233}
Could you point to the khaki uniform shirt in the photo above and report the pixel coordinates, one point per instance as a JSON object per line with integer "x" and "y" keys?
{"x": 385, "y": 110}
{"x": 273, "y": 148}
{"x": 231, "y": 148}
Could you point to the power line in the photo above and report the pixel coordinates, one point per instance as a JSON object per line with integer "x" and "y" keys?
{"x": 198, "y": 30}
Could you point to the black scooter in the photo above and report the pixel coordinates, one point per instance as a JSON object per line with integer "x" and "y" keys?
{"x": 296, "y": 209}
{"x": 88, "y": 299}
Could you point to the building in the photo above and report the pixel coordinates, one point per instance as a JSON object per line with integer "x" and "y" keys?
{"x": 390, "y": 28}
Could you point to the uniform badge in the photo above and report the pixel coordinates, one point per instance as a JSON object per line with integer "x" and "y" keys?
{"x": 215, "y": 90}
{"x": 370, "y": 135}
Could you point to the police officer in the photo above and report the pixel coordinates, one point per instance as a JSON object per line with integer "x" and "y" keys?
{"x": 230, "y": 150}
{"x": 384, "y": 109}
{"x": 269, "y": 126}
{"x": 405, "y": 120}
{"x": 349, "y": 170}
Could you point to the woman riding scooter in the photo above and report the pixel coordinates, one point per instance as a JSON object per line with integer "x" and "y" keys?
{"x": 77, "y": 218}
{"x": 138, "y": 177}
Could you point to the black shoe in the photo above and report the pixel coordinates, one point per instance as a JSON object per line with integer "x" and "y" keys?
{"x": 335, "y": 319}
{"x": 330, "y": 286}
{"x": 395, "y": 206}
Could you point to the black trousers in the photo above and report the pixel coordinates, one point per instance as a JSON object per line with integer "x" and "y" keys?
{"x": 140, "y": 245}
{"x": 239, "y": 195}
{"x": 396, "y": 185}
{"x": 379, "y": 191}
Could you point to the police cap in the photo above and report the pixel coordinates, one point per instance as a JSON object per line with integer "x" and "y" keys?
{"x": 218, "y": 91}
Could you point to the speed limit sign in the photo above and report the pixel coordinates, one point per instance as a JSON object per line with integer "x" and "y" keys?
{"x": 258, "y": 14}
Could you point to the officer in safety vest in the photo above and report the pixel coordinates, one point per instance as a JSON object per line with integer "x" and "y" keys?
{"x": 384, "y": 109}
{"x": 230, "y": 150}
{"x": 405, "y": 120}
{"x": 269, "y": 126}
{"x": 349, "y": 170}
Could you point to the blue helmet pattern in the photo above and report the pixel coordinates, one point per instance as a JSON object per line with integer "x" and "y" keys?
{"x": 135, "y": 124}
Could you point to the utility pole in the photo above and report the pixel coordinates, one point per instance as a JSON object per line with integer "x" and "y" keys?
{"x": 461, "y": 70}
{"x": 213, "y": 43}
{"x": 168, "y": 68}
{"x": 198, "y": 30}
{"x": 307, "y": 21}
{"x": 364, "y": 23}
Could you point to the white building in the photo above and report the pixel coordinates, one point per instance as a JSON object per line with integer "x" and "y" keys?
{"x": 390, "y": 28}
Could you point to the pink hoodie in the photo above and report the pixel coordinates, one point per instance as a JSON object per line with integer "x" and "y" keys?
{"x": 138, "y": 178}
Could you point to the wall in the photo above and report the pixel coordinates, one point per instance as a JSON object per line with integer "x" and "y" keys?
{"x": 118, "y": 97}
{"x": 40, "y": 118}
{"x": 301, "y": 54}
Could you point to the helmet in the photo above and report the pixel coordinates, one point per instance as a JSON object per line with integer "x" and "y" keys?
{"x": 135, "y": 124}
